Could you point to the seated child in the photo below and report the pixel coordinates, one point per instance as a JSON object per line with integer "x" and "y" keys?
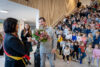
{"x": 60, "y": 38}
{"x": 89, "y": 51}
{"x": 71, "y": 49}
{"x": 82, "y": 52}
{"x": 74, "y": 37}
{"x": 62, "y": 46}
{"x": 96, "y": 55}
{"x": 68, "y": 43}
{"x": 67, "y": 53}
{"x": 76, "y": 52}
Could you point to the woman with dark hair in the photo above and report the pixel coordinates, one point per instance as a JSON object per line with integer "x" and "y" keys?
{"x": 25, "y": 34}
{"x": 14, "y": 49}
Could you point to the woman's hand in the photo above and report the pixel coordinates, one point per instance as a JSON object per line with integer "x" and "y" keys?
{"x": 29, "y": 39}
{"x": 26, "y": 33}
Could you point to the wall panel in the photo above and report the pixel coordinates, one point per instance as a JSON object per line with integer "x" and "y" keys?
{"x": 52, "y": 10}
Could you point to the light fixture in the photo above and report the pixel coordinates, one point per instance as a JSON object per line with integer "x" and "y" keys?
{"x": 3, "y": 11}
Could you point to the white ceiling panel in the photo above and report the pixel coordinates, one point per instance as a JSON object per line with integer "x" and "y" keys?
{"x": 18, "y": 11}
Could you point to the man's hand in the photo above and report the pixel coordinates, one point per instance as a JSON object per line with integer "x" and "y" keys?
{"x": 53, "y": 51}
{"x": 34, "y": 42}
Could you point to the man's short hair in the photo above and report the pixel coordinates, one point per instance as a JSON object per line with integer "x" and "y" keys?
{"x": 42, "y": 18}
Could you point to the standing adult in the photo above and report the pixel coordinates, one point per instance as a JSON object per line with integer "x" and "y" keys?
{"x": 47, "y": 49}
{"x": 14, "y": 49}
{"x": 25, "y": 34}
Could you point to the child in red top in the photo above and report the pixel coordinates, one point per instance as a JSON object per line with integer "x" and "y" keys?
{"x": 82, "y": 52}
{"x": 82, "y": 47}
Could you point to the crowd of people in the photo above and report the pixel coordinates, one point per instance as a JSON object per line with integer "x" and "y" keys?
{"x": 79, "y": 35}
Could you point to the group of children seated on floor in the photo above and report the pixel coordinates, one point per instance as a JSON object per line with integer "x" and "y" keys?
{"x": 78, "y": 51}
{"x": 79, "y": 35}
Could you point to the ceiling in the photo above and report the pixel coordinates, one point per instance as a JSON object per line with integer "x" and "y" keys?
{"x": 18, "y": 11}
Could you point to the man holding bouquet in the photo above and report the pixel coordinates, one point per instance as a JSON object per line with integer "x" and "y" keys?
{"x": 47, "y": 44}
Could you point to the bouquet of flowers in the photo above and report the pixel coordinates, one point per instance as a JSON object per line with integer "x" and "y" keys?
{"x": 41, "y": 35}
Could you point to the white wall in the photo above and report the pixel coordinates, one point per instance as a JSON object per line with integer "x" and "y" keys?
{"x": 1, "y": 27}
{"x": 21, "y": 27}
{"x": 37, "y": 20}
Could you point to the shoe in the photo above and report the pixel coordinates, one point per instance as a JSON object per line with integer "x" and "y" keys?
{"x": 73, "y": 59}
{"x": 80, "y": 62}
{"x": 89, "y": 63}
{"x": 77, "y": 60}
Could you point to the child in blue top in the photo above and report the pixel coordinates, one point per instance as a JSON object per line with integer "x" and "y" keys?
{"x": 74, "y": 37}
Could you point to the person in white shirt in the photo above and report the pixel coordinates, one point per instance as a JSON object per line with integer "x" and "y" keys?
{"x": 65, "y": 32}
{"x": 68, "y": 43}
{"x": 79, "y": 37}
{"x": 62, "y": 45}
{"x": 67, "y": 53}
{"x": 69, "y": 36}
